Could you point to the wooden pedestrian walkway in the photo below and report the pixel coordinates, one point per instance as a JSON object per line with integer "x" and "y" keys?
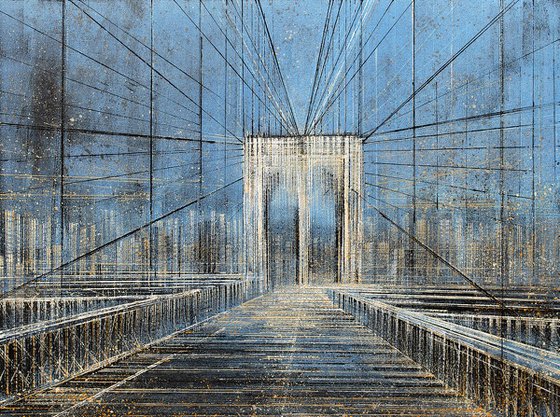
{"x": 288, "y": 353}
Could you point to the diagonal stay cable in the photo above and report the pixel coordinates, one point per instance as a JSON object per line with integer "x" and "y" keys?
{"x": 485, "y": 73}
{"x": 326, "y": 56}
{"x": 153, "y": 51}
{"x": 347, "y": 44}
{"x": 289, "y": 125}
{"x": 219, "y": 52}
{"x": 276, "y": 102}
{"x": 227, "y": 62}
{"x": 474, "y": 117}
{"x": 48, "y": 128}
{"x": 318, "y": 64}
{"x": 171, "y": 83}
{"x": 81, "y": 53}
{"x": 268, "y": 80}
{"x": 100, "y": 90}
{"x": 330, "y": 100}
{"x": 489, "y": 294}
{"x": 277, "y": 65}
{"x": 442, "y": 68}
{"x": 181, "y": 70}
{"x": 434, "y": 253}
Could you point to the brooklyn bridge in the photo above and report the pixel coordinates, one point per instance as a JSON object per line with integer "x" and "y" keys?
{"x": 279, "y": 208}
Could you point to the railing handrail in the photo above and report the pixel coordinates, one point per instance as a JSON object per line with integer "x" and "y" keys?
{"x": 492, "y": 316}
{"x": 72, "y": 298}
{"x": 55, "y": 324}
{"x": 531, "y": 358}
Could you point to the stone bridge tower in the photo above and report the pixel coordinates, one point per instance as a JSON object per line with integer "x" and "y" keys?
{"x": 302, "y": 209}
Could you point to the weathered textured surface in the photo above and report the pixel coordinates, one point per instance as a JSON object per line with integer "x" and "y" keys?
{"x": 44, "y": 353}
{"x": 302, "y": 207}
{"x": 288, "y": 353}
{"x": 503, "y": 376}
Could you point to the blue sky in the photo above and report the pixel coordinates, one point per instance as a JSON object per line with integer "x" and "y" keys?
{"x": 296, "y": 27}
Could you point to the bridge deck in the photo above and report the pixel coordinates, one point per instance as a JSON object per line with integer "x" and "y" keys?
{"x": 286, "y": 353}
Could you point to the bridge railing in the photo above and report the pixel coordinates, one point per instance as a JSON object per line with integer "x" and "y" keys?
{"x": 503, "y": 376}
{"x": 87, "y": 293}
{"x": 16, "y": 312}
{"x": 45, "y": 353}
{"x": 541, "y": 332}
